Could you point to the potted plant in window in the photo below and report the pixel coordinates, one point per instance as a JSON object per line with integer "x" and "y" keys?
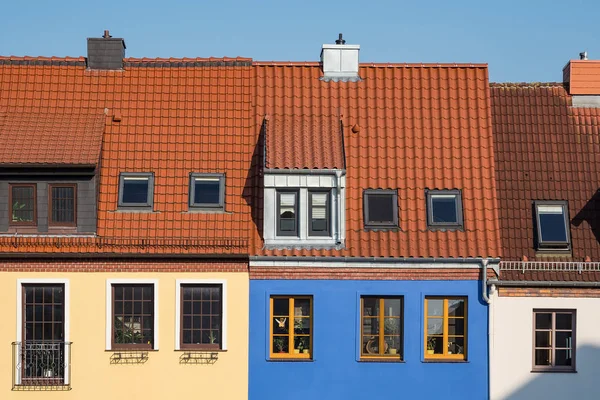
{"x": 430, "y": 346}
{"x": 303, "y": 344}
{"x": 391, "y": 328}
{"x": 279, "y": 344}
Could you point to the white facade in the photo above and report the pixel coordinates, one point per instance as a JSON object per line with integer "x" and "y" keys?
{"x": 511, "y": 342}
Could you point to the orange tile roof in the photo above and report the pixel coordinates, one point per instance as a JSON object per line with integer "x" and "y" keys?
{"x": 43, "y": 138}
{"x": 545, "y": 149}
{"x": 421, "y": 126}
{"x": 288, "y": 137}
{"x": 170, "y": 117}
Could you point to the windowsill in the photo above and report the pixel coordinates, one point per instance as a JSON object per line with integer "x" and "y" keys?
{"x": 443, "y": 360}
{"x": 138, "y": 210}
{"x": 381, "y": 360}
{"x": 446, "y": 228}
{"x": 553, "y": 253}
{"x": 290, "y": 360}
{"x": 553, "y": 371}
{"x": 382, "y": 228}
{"x": 201, "y": 210}
{"x": 199, "y": 350}
{"x": 131, "y": 350}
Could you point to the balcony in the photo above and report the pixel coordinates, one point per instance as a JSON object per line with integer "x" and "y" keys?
{"x": 41, "y": 365}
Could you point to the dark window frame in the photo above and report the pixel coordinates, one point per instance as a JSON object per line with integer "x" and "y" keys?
{"x": 150, "y": 198}
{"x": 381, "y": 338}
{"x": 327, "y": 231}
{"x": 279, "y": 232}
{"x": 63, "y": 185}
{"x": 551, "y": 245}
{"x": 431, "y": 224}
{"x": 555, "y": 368}
{"x": 192, "y": 192}
{"x": 201, "y": 346}
{"x": 394, "y": 225}
{"x": 10, "y": 204}
{"x": 132, "y": 346}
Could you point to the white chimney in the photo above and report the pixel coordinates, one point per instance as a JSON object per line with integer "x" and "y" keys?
{"x": 340, "y": 61}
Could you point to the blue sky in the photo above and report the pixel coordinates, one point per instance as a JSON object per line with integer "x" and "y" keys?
{"x": 526, "y": 40}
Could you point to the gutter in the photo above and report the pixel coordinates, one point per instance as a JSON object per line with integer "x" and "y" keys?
{"x": 338, "y": 220}
{"x": 390, "y": 260}
{"x": 543, "y": 284}
{"x": 304, "y": 171}
{"x": 484, "y": 293}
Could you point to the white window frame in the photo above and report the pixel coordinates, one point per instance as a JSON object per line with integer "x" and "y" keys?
{"x": 67, "y": 305}
{"x": 109, "y": 319}
{"x": 178, "y": 284}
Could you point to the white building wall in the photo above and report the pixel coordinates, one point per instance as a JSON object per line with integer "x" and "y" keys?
{"x": 511, "y": 343}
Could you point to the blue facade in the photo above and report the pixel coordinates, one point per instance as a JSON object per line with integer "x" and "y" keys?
{"x": 335, "y": 371}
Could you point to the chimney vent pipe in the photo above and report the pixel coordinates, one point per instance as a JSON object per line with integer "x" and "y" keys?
{"x": 583, "y": 55}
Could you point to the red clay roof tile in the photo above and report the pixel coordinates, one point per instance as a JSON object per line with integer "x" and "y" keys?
{"x": 50, "y": 139}
{"x": 421, "y": 126}
{"x": 545, "y": 149}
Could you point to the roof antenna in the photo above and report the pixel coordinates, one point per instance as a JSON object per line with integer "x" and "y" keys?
{"x": 583, "y": 55}
{"x": 340, "y": 40}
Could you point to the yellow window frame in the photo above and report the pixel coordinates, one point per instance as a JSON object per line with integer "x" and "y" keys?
{"x": 381, "y": 340}
{"x": 291, "y": 354}
{"x": 445, "y": 355}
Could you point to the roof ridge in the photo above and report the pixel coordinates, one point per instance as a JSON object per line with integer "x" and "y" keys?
{"x": 525, "y": 84}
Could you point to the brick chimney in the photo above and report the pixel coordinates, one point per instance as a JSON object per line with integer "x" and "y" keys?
{"x": 105, "y": 52}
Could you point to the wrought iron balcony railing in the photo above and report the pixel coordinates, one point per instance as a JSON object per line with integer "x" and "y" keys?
{"x": 41, "y": 365}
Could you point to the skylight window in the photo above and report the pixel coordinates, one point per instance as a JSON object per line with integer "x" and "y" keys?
{"x": 444, "y": 209}
{"x": 136, "y": 189}
{"x": 552, "y": 225}
{"x": 207, "y": 190}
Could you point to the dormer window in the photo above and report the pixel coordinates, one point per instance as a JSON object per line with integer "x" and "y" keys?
{"x": 552, "y": 225}
{"x": 136, "y": 190}
{"x": 287, "y": 213}
{"x": 319, "y": 213}
{"x": 22, "y": 204}
{"x": 63, "y": 199}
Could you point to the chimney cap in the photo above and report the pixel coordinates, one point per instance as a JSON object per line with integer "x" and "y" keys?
{"x": 583, "y": 55}
{"x": 106, "y": 34}
{"x": 340, "y": 40}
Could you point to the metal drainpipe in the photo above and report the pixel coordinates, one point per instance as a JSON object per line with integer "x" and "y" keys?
{"x": 484, "y": 294}
{"x": 338, "y": 178}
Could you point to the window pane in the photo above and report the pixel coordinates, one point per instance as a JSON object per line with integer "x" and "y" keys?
{"x": 435, "y": 344}
{"x": 564, "y": 339}
{"x": 543, "y": 339}
{"x": 381, "y": 208}
{"x": 552, "y": 224}
{"x": 564, "y": 321}
{"x": 281, "y": 306}
{"x": 135, "y": 190}
{"x": 456, "y": 345}
{"x": 63, "y": 204}
{"x": 281, "y": 344}
{"x": 443, "y": 208}
{"x": 391, "y": 326}
{"x": 371, "y": 345}
{"x": 370, "y": 306}
{"x": 23, "y": 203}
{"x": 392, "y": 344}
{"x": 301, "y": 307}
{"x": 543, "y": 321}
{"x": 435, "y": 326}
{"x": 456, "y": 308}
{"x": 542, "y": 357}
{"x": 302, "y": 326}
{"x": 563, "y": 358}
{"x": 370, "y": 326}
{"x": 435, "y": 307}
{"x": 392, "y": 307}
{"x": 207, "y": 191}
{"x": 319, "y": 225}
{"x": 456, "y": 326}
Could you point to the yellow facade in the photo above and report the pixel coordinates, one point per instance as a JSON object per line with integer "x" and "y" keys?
{"x": 163, "y": 375}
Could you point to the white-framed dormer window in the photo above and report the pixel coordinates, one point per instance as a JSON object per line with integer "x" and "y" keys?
{"x": 304, "y": 210}
{"x": 201, "y": 314}
{"x": 131, "y": 314}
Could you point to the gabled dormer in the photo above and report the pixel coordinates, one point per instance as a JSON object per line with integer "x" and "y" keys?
{"x": 48, "y": 171}
{"x": 304, "y": 182}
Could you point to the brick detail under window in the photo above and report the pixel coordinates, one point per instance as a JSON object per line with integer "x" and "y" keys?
{"x": 364, "y": 273}
{"x": 113, "y": 266}
{"x": 549, "y": 292}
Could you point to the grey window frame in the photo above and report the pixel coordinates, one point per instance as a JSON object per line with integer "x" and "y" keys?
{"x": 430, "y": 194}
{"x": 550, "y": 245}
{"x": 296, "y": 233}
{"x": 380, "y": 225}
{"x": 139, "y": 206}
{"x": 192, "y": 193}
{"x": 312, "y": 232}
{"x": 555, "y": 368}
